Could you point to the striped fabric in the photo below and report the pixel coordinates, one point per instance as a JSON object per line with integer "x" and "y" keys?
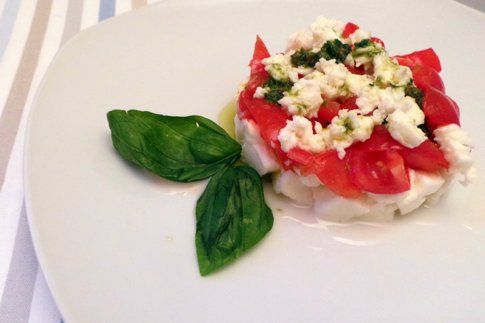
{"x": 31, "y": 32}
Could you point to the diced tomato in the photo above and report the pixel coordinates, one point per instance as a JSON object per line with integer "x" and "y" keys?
{"x": 242, "y": 105}
{"x": 281, "y": 156}
{"x": 425, "y": 57}
{"x": 439, "y": 110}
{"x": 300, "y": 156}
{"x": 424, "y": 76}
{"x": 356, "y": 70}
{"x": 349, "y": 104}
{"x": 349, "y": 29}
{"x": 328, "y": 111}
{"x": 380, "y": 140}
{"x": 332, "y": 172}
{"x": 378, "y": 41}
{"x": 260, "y": 53}
{"x": 269, "y": 117}
{"x": 427, "y": 157}
{"x": 258, "y": 76}
{"x": 380, "y": 172}
{"x": 256, "y": 80}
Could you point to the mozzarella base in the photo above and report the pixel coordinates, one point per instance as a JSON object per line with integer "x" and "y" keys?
{"x": 370, "y": 207}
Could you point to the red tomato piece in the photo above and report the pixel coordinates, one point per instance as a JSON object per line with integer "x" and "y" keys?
{"x": 356, "y": 70}
{"x": 427, "y": 157}
{"x": 332, "y": 172}
{"x": 380, "y": 140}
{"x": 300, "y": 156}
{"x": 380, "y": 172}
{"x": 260, "y": 53}
{"x": 349, "y": 104}
{"x": 258, "y": 76}
{"x": 424, "y": 76}
{"x": 269, "y": 117}
{"x": 281, "y": 156}
{"x": 425, "y": 57}
{"x": 328, "y": 111}
{"x": 439, "y": 110}
{"x": 349, "y": 29}
{"x": 256, "y": 80}
{"x": 242, "y": 105}
{"x": 378, "y": 41}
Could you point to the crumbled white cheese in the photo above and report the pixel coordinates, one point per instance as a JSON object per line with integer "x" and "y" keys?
{"x": 388, "y": 71}
{"x": 331, "y": 77}
{"x": 349, "y": 127}
{"x": 304, "y": 98}
{"x": 280, "y": 68}
{"x": 359, "y": 35}
{"x": 456, "y": 146}
{"x": 301, "y": 39}
{"x": 324, "y": 29}
{"x": 298, "y": 132}
{"x": 364, "y": 55}
{"x": 288, "y": 183}
{"x": 357, "y": 84}
{"x": 260, "y": 93}
{"x": 389, "y": 99}
{"x": 403, "y": 126}
{"x": 372, "y": 97}
{"x": 254, "y": 150}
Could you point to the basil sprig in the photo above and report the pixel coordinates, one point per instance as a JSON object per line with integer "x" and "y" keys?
{"x": 232, "y": 217}
{"x": 182, "y": 149}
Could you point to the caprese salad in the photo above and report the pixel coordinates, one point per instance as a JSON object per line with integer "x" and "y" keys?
{"x": 349, "y": 129}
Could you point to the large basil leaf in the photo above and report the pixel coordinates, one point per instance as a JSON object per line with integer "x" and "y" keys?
{"x": 232, "y": 216}
{"x": 183, "y": 149}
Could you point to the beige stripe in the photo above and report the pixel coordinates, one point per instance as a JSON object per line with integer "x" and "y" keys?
{"x": 138, "y": 3}
{"x": 14, "y": 106}
{"x": 73, "y": 20}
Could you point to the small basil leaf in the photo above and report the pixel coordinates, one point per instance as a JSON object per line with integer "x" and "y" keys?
{"x": 232, "y": 217}
{"x": 183, "y": 149}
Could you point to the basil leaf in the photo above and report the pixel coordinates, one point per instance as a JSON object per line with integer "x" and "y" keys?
{"x": 232, "y": 217}
{"x": 182, "y": 149}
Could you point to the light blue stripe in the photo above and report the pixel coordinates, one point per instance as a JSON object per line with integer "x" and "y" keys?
{"x": 106, "y": 9}
{"x": 7, "y": 21}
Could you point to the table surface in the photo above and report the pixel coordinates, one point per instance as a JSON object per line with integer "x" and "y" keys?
{"x": 31, "y": 32}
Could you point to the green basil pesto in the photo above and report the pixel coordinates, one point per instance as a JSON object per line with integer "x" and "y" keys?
{"x": 366, "y": 48}
{"x": 335, "y": 49}
{"x": 332, "y": 49}
{"x": 305, "y": 58}
{"x": 415, "y": 93}
{"x": 275, "y": 89}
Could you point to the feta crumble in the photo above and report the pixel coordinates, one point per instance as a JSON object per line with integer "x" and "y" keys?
{"x": 349, "y": 127}
{"x": 303, "y": 99}
{"x": 299, "y": 133}
{"x": 457, "y": 147}
{"x": 388, "y": 71}
{"x": 280, "y": 68}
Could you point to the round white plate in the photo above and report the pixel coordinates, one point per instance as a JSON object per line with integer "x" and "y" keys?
{"x": 117, "y": 244}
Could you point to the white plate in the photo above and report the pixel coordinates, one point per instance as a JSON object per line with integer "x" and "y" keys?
{"x": 117, "y": 244}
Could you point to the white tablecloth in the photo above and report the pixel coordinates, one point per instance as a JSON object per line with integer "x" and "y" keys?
{"x": 31, "y": 32}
